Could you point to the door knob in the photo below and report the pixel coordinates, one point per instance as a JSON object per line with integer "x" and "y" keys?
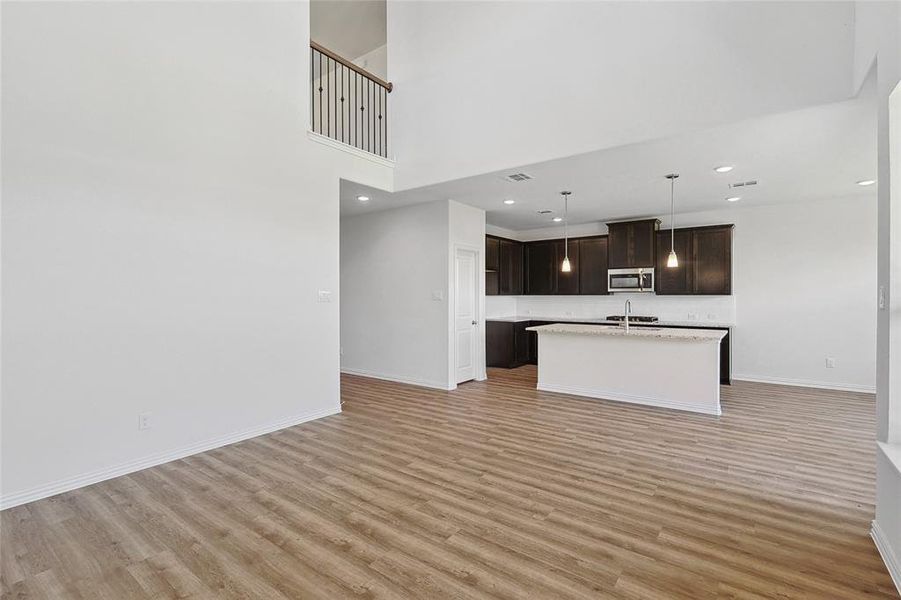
{"x": 475, "y": 322}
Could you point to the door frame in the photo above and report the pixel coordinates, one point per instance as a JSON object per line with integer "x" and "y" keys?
{"x": 480, "y": 371}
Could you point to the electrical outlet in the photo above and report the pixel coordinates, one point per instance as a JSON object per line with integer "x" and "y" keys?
{"x": 144, "y": 421}
{"x": 711, "y": 316}
{"x": 438, "y": 295}
{"x": 881, "y": 297}
{"x": 692, "y": 316}
{"x": 569, "y": 313}
{"x": 830, "y": 362}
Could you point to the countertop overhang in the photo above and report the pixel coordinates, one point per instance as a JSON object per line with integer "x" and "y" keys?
{"x": 691, "y": 335}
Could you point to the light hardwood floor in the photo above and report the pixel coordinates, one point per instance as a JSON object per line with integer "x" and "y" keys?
{"x": 492, "y": 491}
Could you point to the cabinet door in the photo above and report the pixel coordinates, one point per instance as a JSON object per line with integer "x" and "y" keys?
{"x": 498, "y": 343}
{"x": 674, "y": 280}
{"x": 712, "y": 250}
{"x": 522, "y": 348}
{"x": 618, "y": 246}
{"x": 492, "y": 253}
{"x": 533, "y": 342}
{"x": 541, "y": 261}
{"x": 643, "y": 243}
{"x": 511, "y": 259}
{"x": 593, "y": 266}
{"x": 632, "y": 244}
{"x": 568, "y": 283}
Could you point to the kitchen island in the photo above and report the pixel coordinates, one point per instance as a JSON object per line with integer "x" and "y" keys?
{"x": 669, "y": 368}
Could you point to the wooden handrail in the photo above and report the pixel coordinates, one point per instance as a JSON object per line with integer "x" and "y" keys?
{"x": 385, "y": 84}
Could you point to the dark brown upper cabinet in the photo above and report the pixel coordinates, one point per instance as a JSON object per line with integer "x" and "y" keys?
{"x": 673, "y": 280}
{"x": 593, "y": 266}
{"x": 542, "y": 267}
{"x": 510, "y": 272}
{"x": 632, "y": 244}
{"x": 492, "y": 253}
{"x": 705, "y": 261}
{"x": 712, "y": 258}
{"x": 568, "y": 283}
{"x": 503, "y": 266}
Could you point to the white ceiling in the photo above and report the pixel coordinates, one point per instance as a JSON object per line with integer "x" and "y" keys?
{"x": 350, "y": 28}
{"x": 487, "y": 85}
{"x": 814, "y": 153}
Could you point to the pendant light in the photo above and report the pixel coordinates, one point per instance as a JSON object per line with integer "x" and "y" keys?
{"x": 672, "y": 261}
{"x": 566, "y": 267}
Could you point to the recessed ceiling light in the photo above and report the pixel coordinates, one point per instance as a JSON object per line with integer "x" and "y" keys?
{"x": 724, "y": 169}
{"x": 509, "y": 201}
{"x": 866, "y": 182}
{"x": 733, "y": 199}
{"x": 363, "y": 198}
{"x": 557, "y": 219}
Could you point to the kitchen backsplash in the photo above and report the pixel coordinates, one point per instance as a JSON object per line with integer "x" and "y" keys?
{"x": 666, "y": 308}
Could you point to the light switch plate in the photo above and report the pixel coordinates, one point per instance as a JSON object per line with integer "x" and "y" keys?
{"x": 325, "y": 296}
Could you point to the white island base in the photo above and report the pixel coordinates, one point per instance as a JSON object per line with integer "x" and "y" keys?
{"x": 669, "y": 368}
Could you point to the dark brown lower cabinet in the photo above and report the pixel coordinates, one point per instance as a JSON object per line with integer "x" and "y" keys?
{"x": 510, "y": 345}
{"x": 507, "y": 343}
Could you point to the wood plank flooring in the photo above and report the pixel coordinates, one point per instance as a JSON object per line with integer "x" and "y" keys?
{"x": 491, "y": 491}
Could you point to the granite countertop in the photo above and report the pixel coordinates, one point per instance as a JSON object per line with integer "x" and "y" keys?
{"x": 691, "y": 335}
{"x": 602, "y": 321}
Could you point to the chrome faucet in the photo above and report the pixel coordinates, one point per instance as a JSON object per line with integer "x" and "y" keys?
{"x": 627, "y": 311}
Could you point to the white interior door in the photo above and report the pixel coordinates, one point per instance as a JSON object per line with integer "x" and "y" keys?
{"x": 466, "y": 318}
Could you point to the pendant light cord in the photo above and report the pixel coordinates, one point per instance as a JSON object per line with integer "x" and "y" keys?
{"x": 566, "y": 226}
{"x": 672, "y": 214}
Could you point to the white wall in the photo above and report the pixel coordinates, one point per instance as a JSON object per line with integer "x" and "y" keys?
{"x": 393, "y": 264}
{"x": 397, "y": 285}
{"x": 803, "y": 279}
{"x": 878, "y": 45}
{"x": 166, "y": 227}
{"x": 375, "y": 61}
{"x": 483, "y": 86}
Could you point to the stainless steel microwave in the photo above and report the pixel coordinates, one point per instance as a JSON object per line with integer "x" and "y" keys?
{"x": 630, "y": 280}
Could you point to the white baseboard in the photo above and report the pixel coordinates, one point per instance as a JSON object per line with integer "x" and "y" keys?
{"x": 85, "y": 479}
{"x": 826, "y": 385}
{"x": 437, "y": 385}
{"x": 888, "y": 555}
{"x": 620, "y": 397}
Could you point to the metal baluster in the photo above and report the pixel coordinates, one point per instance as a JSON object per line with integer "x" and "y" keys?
{"x": 328, "y": 98}
{"x": 386, "y": 123}
{"x": 381, "y": 108}
{"x": 320, "y": 92}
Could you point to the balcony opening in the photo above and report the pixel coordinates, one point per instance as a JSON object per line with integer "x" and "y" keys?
{"x": 348, "y": 69}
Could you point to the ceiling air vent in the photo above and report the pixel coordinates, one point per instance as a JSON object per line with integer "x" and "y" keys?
{"x": 515, "y": 177}
{"x": 743, "y": 184}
